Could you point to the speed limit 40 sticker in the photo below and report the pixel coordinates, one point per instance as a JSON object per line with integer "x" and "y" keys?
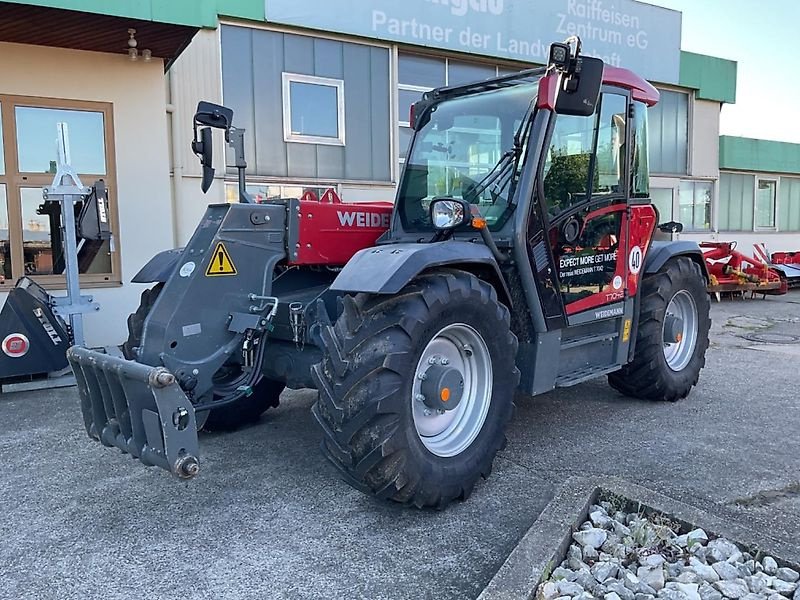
{"x": 635, "y": 260}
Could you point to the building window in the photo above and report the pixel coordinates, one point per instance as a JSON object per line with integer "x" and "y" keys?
{"x": 417, "y": 74}
{"x": 313, "y": 109}
{"x": 30, "y": 236}
{"x": 669, "y": 134}
{"x": 765, "y": 203}
{"x": 267, "y": 192}
{"x": 695, "y": 205}
{"x": 661, "y": 198}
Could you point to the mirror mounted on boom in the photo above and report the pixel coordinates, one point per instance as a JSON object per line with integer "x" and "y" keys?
{"x": 580, "y": 78}
{"x": 213, "y": 116}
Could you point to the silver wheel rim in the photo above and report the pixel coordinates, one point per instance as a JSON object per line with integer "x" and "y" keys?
{"x": 449, "y": 433}
{"x": 679, "y": 354}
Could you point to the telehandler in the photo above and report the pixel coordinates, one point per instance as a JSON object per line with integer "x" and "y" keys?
{"x": 519, "y": 256}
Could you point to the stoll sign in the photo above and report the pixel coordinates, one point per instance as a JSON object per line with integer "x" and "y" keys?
{"x": 625, "y": 33}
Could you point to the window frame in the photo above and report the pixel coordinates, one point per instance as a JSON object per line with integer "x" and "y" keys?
{"x": 687, "y": 170}
{"x": 14, "y": 180}
{"x": 690, "y": 228}
{"x": 256, "y": 181}
{"x": 287, "y": 79}
{"x": 410, "y": 87}
{"x": 776, "y": 180}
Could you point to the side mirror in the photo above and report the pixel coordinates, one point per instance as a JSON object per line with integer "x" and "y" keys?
{"x": 449, "y": 213}
{"x": 671, "y": 227}
{"x": 213, "y": 115}
{"x": 204, "y": 148}
{"x": 580, "y": 79}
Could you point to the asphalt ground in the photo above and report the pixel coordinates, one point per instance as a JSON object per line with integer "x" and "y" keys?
{"x": 269, "y": 518}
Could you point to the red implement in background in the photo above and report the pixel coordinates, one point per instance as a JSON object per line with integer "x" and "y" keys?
{"x": 732, "y": 271}
{"x": 330, "y": 231}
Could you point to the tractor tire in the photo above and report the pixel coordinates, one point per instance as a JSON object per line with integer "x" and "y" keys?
{"x": 661, "y": 370}
{"x": 243, "y": 412}
{"x": 136, "y": 321}
{"x": 445, "y": 330}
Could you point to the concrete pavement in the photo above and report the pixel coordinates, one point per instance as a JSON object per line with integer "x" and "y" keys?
{"x": 268, "y": 517}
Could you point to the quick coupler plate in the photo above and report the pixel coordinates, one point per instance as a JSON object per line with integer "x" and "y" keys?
{"x": 137, "y": 408}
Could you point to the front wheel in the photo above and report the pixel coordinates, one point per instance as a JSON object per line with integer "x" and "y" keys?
{"x": 672, "y": 337}
{"x": 416, "y": 389}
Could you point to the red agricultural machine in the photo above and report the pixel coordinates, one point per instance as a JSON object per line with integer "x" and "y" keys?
{"x": 785, "y": 263}
{"x": 518, "y": 257}
{"x": 730, "y": 271}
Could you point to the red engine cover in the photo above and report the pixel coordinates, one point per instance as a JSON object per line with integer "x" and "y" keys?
{"x": 331, "y": 231}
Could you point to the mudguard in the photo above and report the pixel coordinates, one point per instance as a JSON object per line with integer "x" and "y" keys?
{"x": 388, "y": 269}
{"x": 661, "y": 251}
{"x": 159, "y": 268}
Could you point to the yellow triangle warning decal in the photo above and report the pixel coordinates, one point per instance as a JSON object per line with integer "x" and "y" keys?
{"x": 221, "y": 263}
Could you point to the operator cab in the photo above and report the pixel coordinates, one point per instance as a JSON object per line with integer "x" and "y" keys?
{"x": 559, "y": 153}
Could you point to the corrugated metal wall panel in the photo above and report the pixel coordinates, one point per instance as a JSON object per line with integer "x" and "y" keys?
{"x": 252, "y": 80}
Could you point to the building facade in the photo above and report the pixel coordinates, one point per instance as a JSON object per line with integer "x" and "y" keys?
{"x": 323, "y": 90}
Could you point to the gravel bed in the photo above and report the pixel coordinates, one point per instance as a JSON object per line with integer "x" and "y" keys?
{"x": 618, "y": 555}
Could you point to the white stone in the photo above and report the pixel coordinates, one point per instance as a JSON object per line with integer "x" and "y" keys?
{"x": 591, "y": 537}
{"x": 599, "y": 518}
{"x": 562, "y": 573}
{"x": 784, "y": 587}
{"x": 652, "y": 576}
{"x": 611, "y": 596}
{"x": 569, "y": 588}
{"x": 705, "y": 572}
{"x": 788, "y": 574}
{"x": 590, "y": 553}
{"x": 721, "y": 549}
{"x": 547, "y": 591}
{"x": 631, "y": 581}
{"x": 726, "y": 571}
{"x": 689, "y": 576}
{"x": 770, "y": 566}
{"x": 653, "y": 560}
{"x": 672, "y": 594}
{"x": 688, "y": 589}
{"x": 758, "y": 582}
{"x": 732, "y": 589}
{"x": 697, "y": 535}
{"x": 604, "y": 570}
{"x": 707, "y": 592}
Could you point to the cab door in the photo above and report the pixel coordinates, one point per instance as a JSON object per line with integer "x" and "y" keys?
{"x": 584, "y": 204}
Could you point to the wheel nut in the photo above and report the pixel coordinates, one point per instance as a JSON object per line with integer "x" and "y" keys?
{"x": 445, "y": 362}
{"x": 422, "y": 377}
{"x": 419, "y": 398}
{"x": 427, "y": 412}
{"x": 432, "y": 360}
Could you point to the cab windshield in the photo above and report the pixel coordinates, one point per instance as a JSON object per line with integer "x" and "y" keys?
{"x": 466, "y": 151}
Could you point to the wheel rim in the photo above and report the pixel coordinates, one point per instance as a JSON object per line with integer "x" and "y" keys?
{"x": 449, "y": 433}
{"x": 678, "y": 354}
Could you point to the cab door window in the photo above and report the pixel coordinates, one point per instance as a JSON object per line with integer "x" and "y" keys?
{"x": 584, "y": 185}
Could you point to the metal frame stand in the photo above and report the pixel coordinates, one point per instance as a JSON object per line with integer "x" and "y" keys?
{"x": 67, "y": 189}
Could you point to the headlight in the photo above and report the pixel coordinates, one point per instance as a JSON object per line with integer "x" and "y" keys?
{"x": 449, "y": 214}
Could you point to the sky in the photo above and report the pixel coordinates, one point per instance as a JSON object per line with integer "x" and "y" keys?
{"x": 762, "y": 36}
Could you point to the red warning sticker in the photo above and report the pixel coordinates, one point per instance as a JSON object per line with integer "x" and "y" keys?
{"x": 16, "y": 345}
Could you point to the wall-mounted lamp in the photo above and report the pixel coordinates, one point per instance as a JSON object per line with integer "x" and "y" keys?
{"x": 133, "y": 52}
{"x": 133, "y": 48}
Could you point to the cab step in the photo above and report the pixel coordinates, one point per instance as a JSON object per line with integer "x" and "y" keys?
{"x": 585, "y": 374}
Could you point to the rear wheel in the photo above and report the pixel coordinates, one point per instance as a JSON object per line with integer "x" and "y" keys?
{"x": 246, "y": 410}
{"x": 672, "y": 337}
{"x": 416, "y": 389}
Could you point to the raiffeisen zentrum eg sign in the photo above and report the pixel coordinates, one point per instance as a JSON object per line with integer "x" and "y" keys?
{"x": 625, "y": 33}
